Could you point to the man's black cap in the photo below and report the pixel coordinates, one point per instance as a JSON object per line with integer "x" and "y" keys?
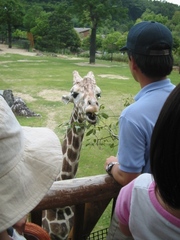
{"x": 144, "y": 37}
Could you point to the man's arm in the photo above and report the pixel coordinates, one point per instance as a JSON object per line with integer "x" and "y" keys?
{"x": 20, "y": 225}
{"x": 120, "y": 176}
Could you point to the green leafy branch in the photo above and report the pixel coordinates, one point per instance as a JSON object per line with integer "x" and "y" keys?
{"x": 100, "y": 134}
{"x": 104, "y": 132}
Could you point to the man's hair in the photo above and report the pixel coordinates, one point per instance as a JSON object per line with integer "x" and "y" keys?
{"x": 154, "y": 66}
{"x": 165, "y": 150}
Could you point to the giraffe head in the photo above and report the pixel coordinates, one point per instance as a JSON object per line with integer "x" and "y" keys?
{"x": 84, "y": 94}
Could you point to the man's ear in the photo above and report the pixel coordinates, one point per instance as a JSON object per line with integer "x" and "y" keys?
{"x": 133, "y": 64}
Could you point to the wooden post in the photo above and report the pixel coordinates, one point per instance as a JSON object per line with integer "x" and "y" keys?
{"x": 77, "y": 229}
{"x": 89, "y": 195}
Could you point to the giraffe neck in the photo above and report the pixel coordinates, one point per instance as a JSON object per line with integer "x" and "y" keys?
{"x": 71, "y": 148}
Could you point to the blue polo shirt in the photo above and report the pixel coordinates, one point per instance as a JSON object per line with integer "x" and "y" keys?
{"x": 136, "y": 125}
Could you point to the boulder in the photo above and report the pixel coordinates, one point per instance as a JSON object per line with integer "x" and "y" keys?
{"x": 17, "y": 104}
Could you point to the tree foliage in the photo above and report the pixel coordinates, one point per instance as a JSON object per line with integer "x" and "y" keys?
{"x": 51, "y": 30}
{"x": 11, "y": 13}
{"x": 29, "y": 20}
{"x": 93, "y": 13}
{"x": 110, "y": 43}
{"x": 149, "y": 15}
{"x": 52, "y": 22}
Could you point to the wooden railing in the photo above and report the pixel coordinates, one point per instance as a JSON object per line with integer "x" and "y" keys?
{"x": 90, "y": 196}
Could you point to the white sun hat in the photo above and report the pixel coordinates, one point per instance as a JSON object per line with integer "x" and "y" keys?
{"x": 30, "y": 160}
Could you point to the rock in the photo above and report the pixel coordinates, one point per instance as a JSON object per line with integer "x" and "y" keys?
{"x": 9, "y": 97}
{"x": 19, "y": 108}
{"x": 17, "y": 104}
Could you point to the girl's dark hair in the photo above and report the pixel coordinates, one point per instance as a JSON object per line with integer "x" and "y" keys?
{"x": 165, "y": 150}
{"x": 154, "y": 66}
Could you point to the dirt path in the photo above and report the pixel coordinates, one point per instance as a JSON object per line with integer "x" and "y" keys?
{"x": 5, "y": 49}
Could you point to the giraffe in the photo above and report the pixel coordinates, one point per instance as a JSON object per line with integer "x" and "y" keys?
{"x": 84, "y": 95}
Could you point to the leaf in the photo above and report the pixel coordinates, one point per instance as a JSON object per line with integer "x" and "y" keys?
{"x": 89, "y": 132}
{"x": 104, "y": 115}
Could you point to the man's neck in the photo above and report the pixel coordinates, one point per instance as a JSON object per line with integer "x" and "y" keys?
{"x": 144, "y": 81}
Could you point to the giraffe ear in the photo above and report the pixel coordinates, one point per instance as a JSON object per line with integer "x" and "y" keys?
{"x": 91, "y": 75}
{"x": 76, "y": 77}
{"x": 67, "y": 98}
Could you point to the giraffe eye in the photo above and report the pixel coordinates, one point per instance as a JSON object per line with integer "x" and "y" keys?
{"x": 98, "y": 95}
{"x": 74, "y": 94}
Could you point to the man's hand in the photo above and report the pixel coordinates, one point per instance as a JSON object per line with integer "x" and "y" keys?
{"x": 120, "y": 176}
{"x": 109, "y": 160}
{"x": 20, "y": 225}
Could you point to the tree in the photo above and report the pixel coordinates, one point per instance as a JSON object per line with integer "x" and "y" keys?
{"x": 54, "y": 31}
{"x": 110, "y": 43}
{"x": 174, "y": 24}
{"x": 11, "y": 13}
{"x": 86, "y": 42}
{"x": 176, "y": 18}
{"x": 165, "y": 8}
{"x": 93, "y": 13}
{"x": 29, "y": 19}
{"x": 42, "y": 24}
{"x": 149, "y": 15}
{"x": 135, "y": 8}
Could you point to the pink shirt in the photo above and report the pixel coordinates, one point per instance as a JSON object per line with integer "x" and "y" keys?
{"x": 138, "y": 207}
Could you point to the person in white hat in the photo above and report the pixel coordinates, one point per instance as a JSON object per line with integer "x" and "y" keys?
{"x": 30, "y": 160}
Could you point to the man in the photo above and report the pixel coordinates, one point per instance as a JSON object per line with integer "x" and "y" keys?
{"x": 149, "y": 48}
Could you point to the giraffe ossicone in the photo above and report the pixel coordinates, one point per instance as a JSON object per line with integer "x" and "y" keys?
{"x": 84, "y": 94}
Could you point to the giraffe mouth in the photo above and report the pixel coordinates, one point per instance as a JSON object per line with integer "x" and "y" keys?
{"x": 91, "y": 117}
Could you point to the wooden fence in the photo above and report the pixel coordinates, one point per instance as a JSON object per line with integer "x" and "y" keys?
{"x": 90, "y": 196}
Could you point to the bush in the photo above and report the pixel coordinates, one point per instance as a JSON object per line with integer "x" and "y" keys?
{"x": 119, "y": 57}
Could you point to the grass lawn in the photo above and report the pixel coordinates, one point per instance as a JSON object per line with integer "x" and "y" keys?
{"x": 42, "y": 80}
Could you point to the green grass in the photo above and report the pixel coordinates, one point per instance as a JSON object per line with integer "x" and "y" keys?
{"x": 31, "y": 75}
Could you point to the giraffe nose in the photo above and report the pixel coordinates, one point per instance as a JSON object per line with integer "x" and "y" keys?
{"x": 93, "y": 103}
{"x": 93, "y": 106}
